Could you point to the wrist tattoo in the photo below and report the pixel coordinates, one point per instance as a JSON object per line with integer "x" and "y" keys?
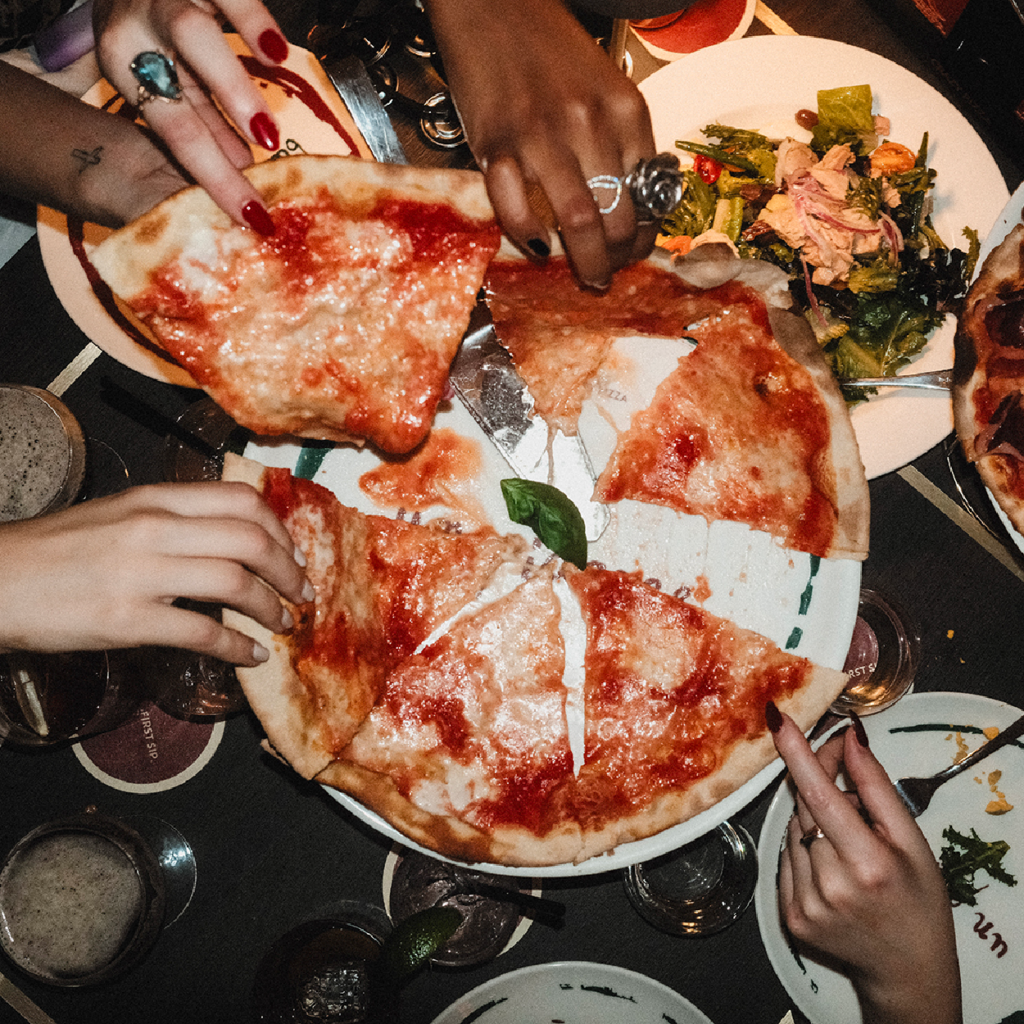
{"x": 88, "y": 158}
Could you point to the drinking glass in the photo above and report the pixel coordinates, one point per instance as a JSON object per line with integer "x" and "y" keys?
{"x": 700, "y": 888}
{"x": 323, "y": 970}
{"x": 83, "y": 899}
{"x": 882, "y": 660}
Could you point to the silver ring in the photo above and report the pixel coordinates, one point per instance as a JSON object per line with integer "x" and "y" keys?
{"x": 810, "y": 835}
{"x": 606, "y": 181}
{"x": 156, "y": 77}
{"x": 654, "y": 185}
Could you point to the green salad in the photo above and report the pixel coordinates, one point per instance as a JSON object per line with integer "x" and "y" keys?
{"x": 846, "y": 215}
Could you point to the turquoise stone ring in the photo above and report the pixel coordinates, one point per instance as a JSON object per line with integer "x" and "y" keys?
{"x": 156, "y": 77}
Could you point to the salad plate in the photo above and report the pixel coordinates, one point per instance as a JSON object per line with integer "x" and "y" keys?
{"x": 759, "y": 83}
{"x": 573, "y": 992}
{"x": 921, "y": 735}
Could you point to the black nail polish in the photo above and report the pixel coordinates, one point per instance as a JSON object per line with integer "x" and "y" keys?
{"x": 772, "y": 716}
{"x": 858, "y": 731}
{"x": 539, "y": 248}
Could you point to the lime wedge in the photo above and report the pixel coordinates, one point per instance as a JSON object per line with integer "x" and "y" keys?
{"x": 416, "y": 939}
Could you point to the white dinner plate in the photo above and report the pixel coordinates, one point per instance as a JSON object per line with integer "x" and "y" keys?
{"x": 572, "y": 993}
{"x": 311, "y": 118}
{"x": 920, "y": 736}
{"x": 760, "y": 82}
{"x": 805, "y": 605}
{"x": 1008, "y": 219}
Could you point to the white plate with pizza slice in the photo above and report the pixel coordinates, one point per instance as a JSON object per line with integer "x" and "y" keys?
{"x": 312, "y": 119}
{"x": 760, "y": 82}
{"x": 575, "y": 993}
{"x": 921, "y": 735}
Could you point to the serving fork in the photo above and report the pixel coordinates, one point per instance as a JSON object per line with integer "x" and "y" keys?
{"x": 940, "y": 380}
{"x": 917, "y": 793}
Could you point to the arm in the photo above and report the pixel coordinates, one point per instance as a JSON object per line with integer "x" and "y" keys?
{"x": 544, "y": 109}
{"x": 192, "y": 126}
{"x": 870, "y": 893}
{"x": 61, "y": 152}
{"x": 104, "y": 574}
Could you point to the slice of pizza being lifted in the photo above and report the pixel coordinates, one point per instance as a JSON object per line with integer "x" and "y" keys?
{"x": 382, "y": 587}
{"x": 343, "y": 324}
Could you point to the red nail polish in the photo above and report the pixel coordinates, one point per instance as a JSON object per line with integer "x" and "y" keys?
{"x": 257, "y": 218}
{"x": 273, "y": 44}
{"x": 858, "y": 730}
{"x": 264, "y": 131}
{"x": 772, "y": 716}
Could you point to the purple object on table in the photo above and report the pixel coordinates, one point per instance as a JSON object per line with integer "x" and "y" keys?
{"x": 66, "y": 39}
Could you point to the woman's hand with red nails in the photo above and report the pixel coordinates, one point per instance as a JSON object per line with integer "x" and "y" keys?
{"x": 105, "y": 573}
{"x": 870, "y": 893}
{"x": 545, "y": 109}
{"x": 190, "y": 33}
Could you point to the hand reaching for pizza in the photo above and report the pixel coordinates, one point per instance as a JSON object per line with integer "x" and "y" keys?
{"x": 104, "y": 573}
{"x": 170, "y": 58}
{"x": 545, "y": 110}
{"x": 868, "y": 891}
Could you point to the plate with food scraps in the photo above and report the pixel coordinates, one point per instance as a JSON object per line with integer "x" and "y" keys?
{"x": 760, "y": 83}
{"x": 921, "y": 735}
{"x": 574, "y": 992}
{"x": 804, "y": 604}
{"x": 312, "y": 119}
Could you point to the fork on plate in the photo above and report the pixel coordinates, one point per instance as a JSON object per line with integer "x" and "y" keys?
{"x": 917, "y": 793}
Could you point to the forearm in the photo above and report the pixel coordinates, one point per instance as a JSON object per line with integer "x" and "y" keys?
{"x": 63, "y": 153}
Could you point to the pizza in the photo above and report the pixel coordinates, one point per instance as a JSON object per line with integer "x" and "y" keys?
{"x": 343, "y": 324}
{"x": 432, "y": 676}
{"x": 988, "y": 375}
{"x": 750, "y": 427}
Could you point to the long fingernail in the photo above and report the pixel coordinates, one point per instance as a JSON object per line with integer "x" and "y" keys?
{"x": 260, "y": 653}
{"x": 858, "y": 730}
{"x": 300, "y": 556}
{"x": 308, "y": 593}
{"x": 539, "y": 248}
{"x": 286, "y": 619}
{"x": 274, "y": 45}
{"x": 772, "y": 717}
{"x": 264, "y": 131}
{"x": 256, "y": 216}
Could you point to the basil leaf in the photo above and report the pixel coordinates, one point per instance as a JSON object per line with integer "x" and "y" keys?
{"x": 550, "y": 514}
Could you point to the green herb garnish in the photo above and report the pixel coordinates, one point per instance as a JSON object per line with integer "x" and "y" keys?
{"x": 550, "y": 514}
{"x": 963, "y": 856}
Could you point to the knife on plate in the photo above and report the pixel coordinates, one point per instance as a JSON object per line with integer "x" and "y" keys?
{"x": 482, "y": 373}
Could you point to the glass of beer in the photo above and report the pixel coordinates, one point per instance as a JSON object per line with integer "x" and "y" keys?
{"x": 82, "y": 900}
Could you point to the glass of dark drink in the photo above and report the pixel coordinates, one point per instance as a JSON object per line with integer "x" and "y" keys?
{"x": 82, "y": 900}
{"x": 52, "y": 699}
{"x": 327, "y": 971}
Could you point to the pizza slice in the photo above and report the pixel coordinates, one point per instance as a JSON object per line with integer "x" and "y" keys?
{"x": 382, "y": 587}
{"x": 467, "y": 751}
{"x": 988, "y": 375}
{"x": 344, "y": 323}
{"x": 674, "y": 702}
{"x": 749, "y": 427}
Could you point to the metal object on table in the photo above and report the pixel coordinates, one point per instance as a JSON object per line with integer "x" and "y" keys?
{"x": 917, "y": 793}
{"x": 490, "y": 388}
{"x": 938, "y": 380}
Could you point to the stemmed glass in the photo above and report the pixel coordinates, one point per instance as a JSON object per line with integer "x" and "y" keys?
{"x": 700, "y": 888}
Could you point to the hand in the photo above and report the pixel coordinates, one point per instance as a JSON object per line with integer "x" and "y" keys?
{"x": 193, "y": 128}
{"x": 104, "y": 574}
{"x": 544, "y": 108}
{"x": 870, "y": 893}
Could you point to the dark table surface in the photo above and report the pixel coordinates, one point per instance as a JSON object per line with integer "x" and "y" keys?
{"x": 273, "y": 851}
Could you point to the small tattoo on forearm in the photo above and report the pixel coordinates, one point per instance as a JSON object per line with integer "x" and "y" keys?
{"x": 88, "y": 158}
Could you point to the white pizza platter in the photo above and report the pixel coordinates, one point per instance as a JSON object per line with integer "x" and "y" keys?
{"x": 760, "y": 82}
{"x": 804, "y": 604}
{"x": 573, "y": 992}
{"x": 311, "y": 118}
{"x": 921, "y": 735}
